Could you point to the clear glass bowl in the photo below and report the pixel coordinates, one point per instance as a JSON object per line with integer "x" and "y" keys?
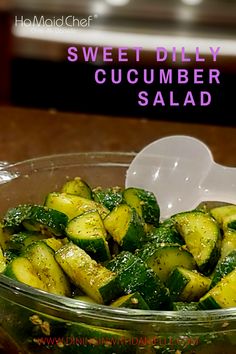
{"x": 32, "y": 321}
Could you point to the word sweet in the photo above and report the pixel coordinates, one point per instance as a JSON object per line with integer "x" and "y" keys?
{"x": 124, "y": 54}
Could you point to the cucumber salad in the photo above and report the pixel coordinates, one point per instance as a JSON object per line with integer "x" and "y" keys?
{"x": 108, "y": 246}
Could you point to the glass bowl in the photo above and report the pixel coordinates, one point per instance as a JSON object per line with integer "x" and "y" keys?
{"x": 32, "y": 321}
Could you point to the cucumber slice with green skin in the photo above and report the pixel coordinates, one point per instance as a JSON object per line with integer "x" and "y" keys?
{"x": 84, "y": 298}
{"x": 36, "y": 218}
{"x": 10, "y": 255}
{"x": 132, "y": 301}
{"x": 223, "y": 295}
{"x": 45, "y": 220}
{"x": 97, "y": 340}
{"x": 134, "y": 276}
{"x": 21, "y": 269}
{"x": 202, "y": 237}
{"x": 109, "y": 197}
{"x": 165, "y": 234}
{"x": 185, "y": 306}
{"x": 18, "y": 242}
{"x": 187, "y": 285}
{"x": 224, "y": 215}
{"x": 125, "y": 226}
{"x": 92, "y": 278}
{"x": 163, "y": 258}
{"x": 41, "y": 256}
{"x": 224, "y": 267}
{"x": 228, "y": 243}
{"x": 79, "y": 187}
{"x": 73, "y": 205}
{"x": 148, "y": 228}
{"x": 230, "y": 222}
{"x": 4, "y": 237}
{"x": 2, "y": 261}
{"x": 15, "y": 216}
{"x": 88, "y": 232}
{"x": 145, "y": 203}
{"x": 54, "y": 243}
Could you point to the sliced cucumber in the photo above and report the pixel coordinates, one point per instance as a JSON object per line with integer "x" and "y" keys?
{"x": 84, "y": 298}
{"x": 36, "y": 218}
{"x": 73, "y": 205}
{"x": 125, "y": 226}
{"x": 185, "y": 306}
{"x": 22, "y": 270}
{"x": 228, "y": 243}
{"x": 79, "y": 187}
{"x": 170, "y": 260}
{"x": 148, "y": 228}
{"x": 223, "y": 295}
{"x": 133, "y": 301}
{"x": 225, "y": 216}
{"x": 163, "y": 258}
{"x": 187, "y": 285}
{"x": 4, "y": 237}
{"x": 224, "y": 267}
{"x": 166, "y": 233}
{"x": 88, "y": 232}
{"x": 202, "y": 237}
{"x": 2, "y": 261}
{"x": 231, "y": 222}
{"x": 54, "y": 243}
{"x": 41, "y": 256}
{"x": 134, "y": 276}
{"x": 18, "y": 242}
{"x": 15, "y": 216}
{"x": 109, "y": 197}
{"x": 144, "y": 203}
{"x": 46, "y": 220}
{"x": 10, "y": 255}
{"x": 95, "y": 280}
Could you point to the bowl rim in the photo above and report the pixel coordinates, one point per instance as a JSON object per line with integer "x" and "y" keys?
{"x": 65, "y": 306}
{"x": 7, "y": 164}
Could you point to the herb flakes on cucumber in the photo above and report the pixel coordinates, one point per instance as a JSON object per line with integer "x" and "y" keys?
{"x": 202, "y": 237}
{"x": 109, "y": 244}
{"x": 36, "y": 218}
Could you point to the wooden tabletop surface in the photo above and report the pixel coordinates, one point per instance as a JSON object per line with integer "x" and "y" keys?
{"x": 26, "y": 133}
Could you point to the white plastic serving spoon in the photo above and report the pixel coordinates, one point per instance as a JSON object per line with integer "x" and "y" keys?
{"x": 181, "y": 172}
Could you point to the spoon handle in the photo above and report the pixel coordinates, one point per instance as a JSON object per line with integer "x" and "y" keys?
{"x": 219, "y": 184}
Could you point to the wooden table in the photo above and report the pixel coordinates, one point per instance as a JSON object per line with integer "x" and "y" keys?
{"x": 26, "y": 134}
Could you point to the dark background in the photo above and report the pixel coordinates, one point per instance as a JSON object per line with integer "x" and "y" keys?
{"x": 35, "y": 73}
{"x": 71, "y": 87}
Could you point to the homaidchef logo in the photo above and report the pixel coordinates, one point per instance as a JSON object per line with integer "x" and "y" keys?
{"x": 63, "y": 21}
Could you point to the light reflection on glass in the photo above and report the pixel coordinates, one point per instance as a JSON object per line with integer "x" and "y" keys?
{"x": 118, "y": 2}
{"x": 156, "y": 175}
{"x": 7, "y": 176}
{"x": 100, "y": 8}
{"x": 192, "y": 2}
